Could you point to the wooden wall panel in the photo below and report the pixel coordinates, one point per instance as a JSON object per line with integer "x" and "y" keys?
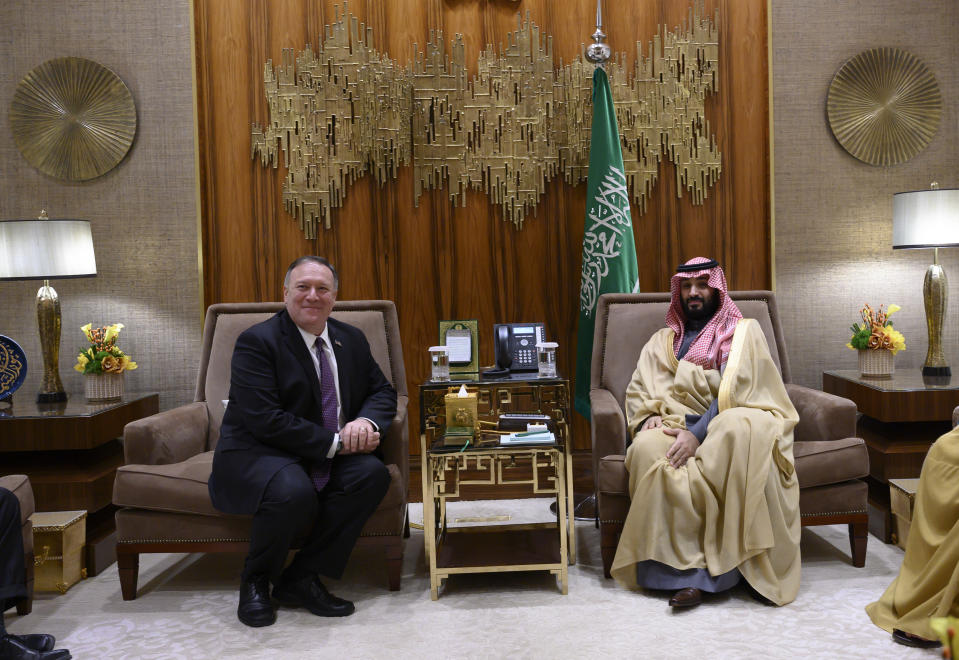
{"x": 439, "y": 261}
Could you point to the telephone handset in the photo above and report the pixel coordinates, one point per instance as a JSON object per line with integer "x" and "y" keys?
{"x": 514, "y": 345}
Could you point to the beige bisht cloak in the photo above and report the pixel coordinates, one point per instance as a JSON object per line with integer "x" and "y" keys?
{"x": 735, "y": 504}
{"x": 928, "y": 581}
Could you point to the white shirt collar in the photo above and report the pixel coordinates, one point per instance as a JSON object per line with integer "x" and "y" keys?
{"x": 309, "y": 338}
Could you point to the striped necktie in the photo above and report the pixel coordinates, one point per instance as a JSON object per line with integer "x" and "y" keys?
{"x": 320, "y": 472}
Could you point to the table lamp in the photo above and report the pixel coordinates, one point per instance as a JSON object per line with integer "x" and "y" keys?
{"x": 929, "y": 219}
{"x": 44, "y": 249}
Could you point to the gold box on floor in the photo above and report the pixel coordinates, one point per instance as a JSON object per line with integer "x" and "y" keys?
{"x": 58, "y": 540}
{"x": 902, "y": 499}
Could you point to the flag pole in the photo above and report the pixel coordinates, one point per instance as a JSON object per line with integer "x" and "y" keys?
{"x": 609, "y": 255}
{"x": 598, "y": 51}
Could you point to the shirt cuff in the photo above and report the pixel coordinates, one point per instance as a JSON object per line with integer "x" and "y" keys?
{"x": 334, "y": 446}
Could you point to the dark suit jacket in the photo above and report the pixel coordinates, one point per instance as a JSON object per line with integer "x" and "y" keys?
{"x": 273, "y": 417}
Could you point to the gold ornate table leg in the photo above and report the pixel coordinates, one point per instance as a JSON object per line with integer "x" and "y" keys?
{"x": 429, "y": 517}
{"x": 570, "y": 502}
{"x": 565, "y": 521}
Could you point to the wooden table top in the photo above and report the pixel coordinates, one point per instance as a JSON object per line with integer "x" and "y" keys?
{"x": 905, "y": 397}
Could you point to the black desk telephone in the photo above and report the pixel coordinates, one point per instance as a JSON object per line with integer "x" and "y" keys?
{"x": 514, "y": 346}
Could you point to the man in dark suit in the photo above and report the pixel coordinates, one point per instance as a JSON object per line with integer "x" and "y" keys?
{"x": 299, "y": 443}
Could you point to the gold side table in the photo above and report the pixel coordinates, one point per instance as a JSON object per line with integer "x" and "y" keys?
{"x": 546, "y": 470}
{"x": 492, "y": 548}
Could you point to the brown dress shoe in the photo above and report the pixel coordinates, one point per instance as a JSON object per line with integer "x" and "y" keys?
{"x": 688, "y": 597}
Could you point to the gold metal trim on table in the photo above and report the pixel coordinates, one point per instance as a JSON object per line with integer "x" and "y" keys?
{"x": 442, "y": 481}
{"x": 494, "y": 398}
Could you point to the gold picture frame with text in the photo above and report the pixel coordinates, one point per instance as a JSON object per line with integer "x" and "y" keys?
{"x": 462, "y": 339}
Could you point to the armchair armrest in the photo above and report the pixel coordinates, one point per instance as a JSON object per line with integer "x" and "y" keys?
{"x": 170, "y": 436}
{"x": 396, "y": 444}
{"x": 822, "y": 416}
{"x": 607, "y": 424}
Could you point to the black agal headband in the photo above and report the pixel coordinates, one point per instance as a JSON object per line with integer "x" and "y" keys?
{"x": 692, "y": 268}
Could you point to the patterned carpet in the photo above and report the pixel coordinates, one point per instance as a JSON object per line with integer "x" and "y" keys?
{"x": 186, "y": 608}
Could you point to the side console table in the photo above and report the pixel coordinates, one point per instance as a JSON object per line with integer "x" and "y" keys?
{"x": 71, "y": 452}
{"x": 545, "y": 470}
{"x": 901, "y": 417}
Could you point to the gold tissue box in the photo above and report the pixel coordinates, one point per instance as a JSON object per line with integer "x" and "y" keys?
{"x": 461, "y": 413}
{"x": 58, "y": 540}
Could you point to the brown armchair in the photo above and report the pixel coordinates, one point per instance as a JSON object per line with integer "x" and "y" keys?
{"x": 829, "y": 460}
{"x": 19, "y": 485}
{"x": 162, "y": 490}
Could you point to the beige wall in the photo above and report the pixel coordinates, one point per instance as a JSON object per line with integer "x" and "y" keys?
{"x": 143, "y": 212}
{"x": 833, "y": 212}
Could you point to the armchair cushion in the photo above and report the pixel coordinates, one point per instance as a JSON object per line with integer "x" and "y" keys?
{"x": 182, "y": 488}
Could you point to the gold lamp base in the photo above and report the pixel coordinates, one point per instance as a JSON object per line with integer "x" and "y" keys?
{"x": 935, "y": 294}
{"x": 48, "y": 320}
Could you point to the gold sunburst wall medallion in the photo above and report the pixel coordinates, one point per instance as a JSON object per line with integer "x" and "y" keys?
{"x": 884, "y": 106}
{"x": 73, "y": 119}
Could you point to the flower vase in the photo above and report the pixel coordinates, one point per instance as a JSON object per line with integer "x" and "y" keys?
{"x": 876, "y": 363}
{"x": 103, "y": 387}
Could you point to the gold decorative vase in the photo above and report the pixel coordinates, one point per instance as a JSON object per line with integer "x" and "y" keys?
{"x": 103, "y": 387}
{"x": 876, "y": 363}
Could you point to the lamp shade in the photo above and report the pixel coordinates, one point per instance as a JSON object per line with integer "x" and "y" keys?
{"x": 925, "y": 219}
{"x": 46, "y": 249}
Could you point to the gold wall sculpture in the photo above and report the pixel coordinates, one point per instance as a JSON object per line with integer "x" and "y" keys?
{"x": 884, "y": 106}
{"x": 73, "y": 119}
{"x": 506, "y": 131}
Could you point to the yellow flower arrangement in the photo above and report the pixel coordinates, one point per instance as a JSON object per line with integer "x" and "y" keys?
{"x": 103, "y": 355}
{"x": 876, "y": 331}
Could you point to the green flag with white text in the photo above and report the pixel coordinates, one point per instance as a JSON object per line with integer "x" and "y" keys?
{"x": 609, "y": 253}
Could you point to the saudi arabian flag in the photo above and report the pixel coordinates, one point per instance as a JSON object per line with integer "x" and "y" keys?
{"x": 609, "y": 254}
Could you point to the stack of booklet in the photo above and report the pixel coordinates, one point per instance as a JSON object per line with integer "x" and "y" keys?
{"x": 528, "y": 438}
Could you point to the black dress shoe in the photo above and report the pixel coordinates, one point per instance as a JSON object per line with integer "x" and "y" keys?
{"x": 310, "y": 593}
{"x": 256, "y": 608}
{"x": 11, "y": 648}
{"x": 37, "y": 642}
{"x": 908, "y": 639}
{"x": 688, "y": 597}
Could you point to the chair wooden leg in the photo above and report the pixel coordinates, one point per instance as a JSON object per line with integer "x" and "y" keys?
{"x": 128, "y": 565}
{"x": 609, "y": 539}
{"x": 406, "y": 525}
{"x": 394, "y": 561}
{"x": 858, "y": 535}
{"x": 25, "y": 605}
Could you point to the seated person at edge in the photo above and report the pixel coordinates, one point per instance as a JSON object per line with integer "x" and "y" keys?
{"x": 928, "y": 582}
{"x": 13, "y": 587}
{"x": 714, "y": 492}
{"x": 298, "y": 447}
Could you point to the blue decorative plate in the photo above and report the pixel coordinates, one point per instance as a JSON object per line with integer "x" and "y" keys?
{"x": 13, "y": 367}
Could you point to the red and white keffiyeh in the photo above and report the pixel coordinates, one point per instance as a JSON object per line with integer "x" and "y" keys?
{"x": 710, "y": 350}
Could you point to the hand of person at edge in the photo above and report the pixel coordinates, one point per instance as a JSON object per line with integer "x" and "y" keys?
{"x": 683, "y": 449}
{"x": 358, "y": 437}
{"x": 652, "y": 422}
